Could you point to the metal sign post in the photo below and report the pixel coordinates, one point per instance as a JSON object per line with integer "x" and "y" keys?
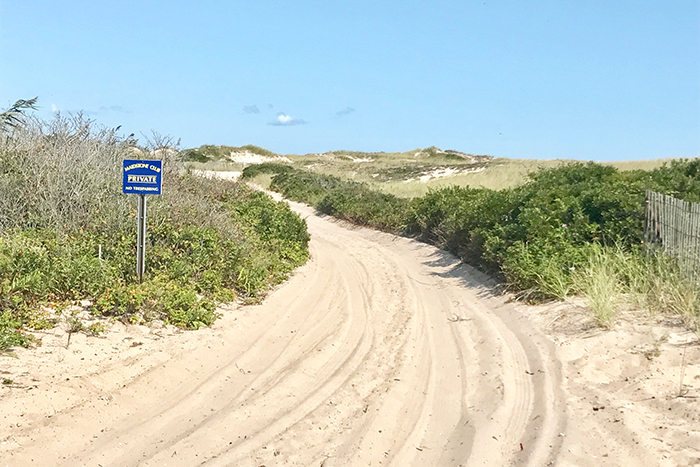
{"x": 142, "y": 178}
{"x": 141, "y": 238}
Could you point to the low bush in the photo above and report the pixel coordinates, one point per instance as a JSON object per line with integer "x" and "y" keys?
{"x": 477, "y": 225}
{"x": 356, "y": 203}
{"x": 11, "y": 333}
{"x": 539, "y": 270}
{"x": 37, "y": 263}
{"x": 304, "y": 186}
{"x": 275, "y": 168}
{"x": 547, "y": 238}
{"x": 68, "y": 233}
{"x": 352, "y": 201}
{"x": 158, "y": 298}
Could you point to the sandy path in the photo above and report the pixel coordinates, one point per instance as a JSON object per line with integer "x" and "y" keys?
{"x": 380, "y": 351}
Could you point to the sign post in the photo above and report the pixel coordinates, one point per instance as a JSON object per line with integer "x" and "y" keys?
{"x": 141, "y": 238}
{"x": 141, "y": 178}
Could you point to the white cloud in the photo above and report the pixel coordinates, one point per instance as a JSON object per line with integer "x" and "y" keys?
{"x": 285, "y": 120}
{"x": 54, "y": 109}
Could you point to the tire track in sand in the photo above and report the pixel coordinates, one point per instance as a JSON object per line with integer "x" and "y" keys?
{"x": 381, "y": 351}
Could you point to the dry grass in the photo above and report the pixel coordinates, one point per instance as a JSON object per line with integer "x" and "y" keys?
{"x": 497, "y": 174}
{"x": 613, "y": 278}
{"x": 380, "y": 168}
{"x": 218, "y": 166}
{"x": 262, "y": 180}
{"x": 61, "y": 175}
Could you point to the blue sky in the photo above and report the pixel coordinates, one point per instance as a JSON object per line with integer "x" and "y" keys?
{"x": 600, "y": 80}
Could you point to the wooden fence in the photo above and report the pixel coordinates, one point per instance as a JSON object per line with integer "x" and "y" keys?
{"x": 674, "y": 226}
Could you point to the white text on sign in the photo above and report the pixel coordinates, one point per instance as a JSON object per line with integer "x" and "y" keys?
{"x": 142, "y": 179}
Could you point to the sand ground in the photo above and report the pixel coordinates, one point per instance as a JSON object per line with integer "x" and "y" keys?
{"x": 380, "y": 351}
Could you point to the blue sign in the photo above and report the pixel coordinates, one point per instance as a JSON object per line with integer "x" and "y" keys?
{"x": 142, "y": 177}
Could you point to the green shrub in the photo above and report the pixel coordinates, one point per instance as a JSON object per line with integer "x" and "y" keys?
{"x": 347, "y": 200}
{"x": 196, "y": 155}
{"x": 11, "y": 334}
{"x": 541, "y": 270}
{"x": 95, "y": 329}
{"x": 77, "y": 240}
{"x": 302, "y": 186}
{"x": 358, "y": 204}
{"x": 254, "y": 170}
{"x": 207, "y": 238}
{"x": 269, "y": 220}
{"x": 478, "y": 225}
{"x": 532, "y": 235}
{"x": 679, "y": 178}
{"x": 158, "y": 298}
{"x": 34, "y": 264}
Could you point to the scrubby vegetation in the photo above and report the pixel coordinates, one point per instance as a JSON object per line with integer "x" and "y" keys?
{"x": 68, "y": 233}
{"x": 392, "y": 172}
{"x": 575, "y": 228}
{"x": 352, "y": 201}
{"x": 209, "y": 153}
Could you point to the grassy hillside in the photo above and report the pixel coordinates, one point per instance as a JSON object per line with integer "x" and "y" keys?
{"x": 389, "y": 167}
{"x": 405, "y": 174}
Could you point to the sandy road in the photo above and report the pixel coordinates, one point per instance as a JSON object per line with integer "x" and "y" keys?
{"x": 380, "y": 351}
